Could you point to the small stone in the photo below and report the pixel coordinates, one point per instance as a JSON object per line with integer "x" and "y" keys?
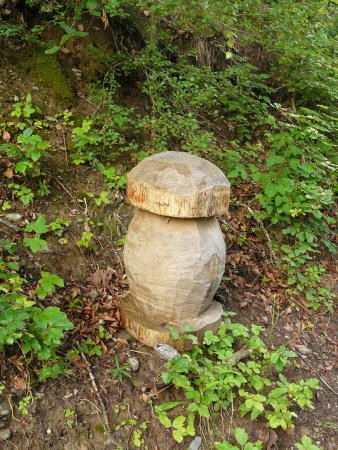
{"x": 142, "y": 382}
{"x": 287, "y": 327}
{"x": 122, "y": 334}
{"x": 44, "y": 250}
{"x": 6, "y": 136}
{"x": 166, "y": 351}
{"x": 303, "y": 349}
{"x": 93, "y": 294}
{"x": 290, "y": 432}
{"x": 14, "y": 217}
{"x": 5, "y": 434}
{"x": 49, "y": 431}
{"x": 4, "y": 409}
{"x": 305, "y": 430}
{"x": 195, "y": 443}
{"x": 134, "y": 363}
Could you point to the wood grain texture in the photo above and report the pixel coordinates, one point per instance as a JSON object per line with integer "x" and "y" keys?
{"x": 174, "y": 266}
{"x": 178, "y": 184}
{"x": 152, "y": 334}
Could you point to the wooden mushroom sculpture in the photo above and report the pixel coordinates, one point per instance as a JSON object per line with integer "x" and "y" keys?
{"x": 174, "y": 251}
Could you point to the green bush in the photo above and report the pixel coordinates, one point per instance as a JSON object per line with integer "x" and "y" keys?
{"x": 37, "y": 331}
{"x": 212, "y": 377}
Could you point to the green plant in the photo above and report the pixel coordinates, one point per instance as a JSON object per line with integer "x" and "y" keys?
{"x": 38, "y": 227}
{"x": 29, "y": 150}
{"x": 111, "y": 176}
{"x": 85, "y": 240}
{"x": 24, "y": 404}
{"x": 138, "y": 439}
{"x": 58, "y": 226}
{"x": 5, "y": 205}
{"x": 24, "y": 194}
{"x": 37, "y": 331}
{"x": 70, "y": 417}
{"x": 53, "y": 371}
{"x": 83, "y": 137}
{"x": 241, "y": 437}
{"x": 120, "y": 371}
{"x": 306, "y": 444}
{"x": 90, "y": 348}
{"x": 70, "y": 32}
{"x": 103, "y": 198}
{"x": 8, "y": 246}
{"x": 214, "y": 374}
{"x": 47, "y": 284}
{"x": 309, "y": 283}
{"x": 24, "y": 109}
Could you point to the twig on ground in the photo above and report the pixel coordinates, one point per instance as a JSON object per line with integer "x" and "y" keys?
{"x": 11, "y": 406}
{"x": 322, "y": 379}
{"x": 96, "y": 389}
{"x": 65, "y": 189}
{"x": 10, "y": 225}
{"x": 241, "y": 354}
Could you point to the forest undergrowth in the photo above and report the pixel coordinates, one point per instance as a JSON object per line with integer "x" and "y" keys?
{"x": 88, "y": 89}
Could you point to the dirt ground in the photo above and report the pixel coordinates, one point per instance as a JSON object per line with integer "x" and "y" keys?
{"x": 252, "y": 287}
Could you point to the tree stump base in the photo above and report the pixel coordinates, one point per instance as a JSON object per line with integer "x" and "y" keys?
{"x": 152, "y": 334}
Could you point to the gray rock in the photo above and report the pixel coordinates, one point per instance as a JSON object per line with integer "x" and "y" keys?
{"x": 44, "y": 250}
{"x": 93, "y": 294}
{"x": 303, "y": 349}
{"x": 195, "y": 443}
{"x": 166, "y": 351}
{"x": 122, "y": 334}
{"x": 14, "y": 217}
{"x": 5, "y": 434}
{"x": 134, "y": 363}
{"x": 4, "y": 409}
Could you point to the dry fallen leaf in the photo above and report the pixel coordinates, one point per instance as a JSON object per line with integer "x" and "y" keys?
{"x": 8, "y": 173}
{"x": 102, "y": 277}
{"x": 122, "y": 341}
{"x": 19, "y": 383}
{"x": 144, "y": 397}
{"x": 75, "y": 291}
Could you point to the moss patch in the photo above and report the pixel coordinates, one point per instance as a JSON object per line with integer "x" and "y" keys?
{"x": 46, "y": 70}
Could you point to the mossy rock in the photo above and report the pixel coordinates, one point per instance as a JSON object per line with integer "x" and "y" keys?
{"x": 47, "y": 71}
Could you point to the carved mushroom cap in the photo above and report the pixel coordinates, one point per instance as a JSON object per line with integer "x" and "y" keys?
{"x": 178, "y": 184}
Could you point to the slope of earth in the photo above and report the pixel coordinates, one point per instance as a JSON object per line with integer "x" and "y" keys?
{"x": 72, "y": 411}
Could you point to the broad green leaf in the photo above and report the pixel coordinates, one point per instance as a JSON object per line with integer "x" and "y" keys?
{"x": 273, "y": 160}
{"x": 39, "y": 226}
{"x": 35, "y": 244}
{"x": 177, "y": 436}
{"x": 163, "y": 418}
{"x": 52, "y": 50}
{"x": 169, "y": 405}
{"x": 179, "y": 421}
{"x": 241, "y": 436}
